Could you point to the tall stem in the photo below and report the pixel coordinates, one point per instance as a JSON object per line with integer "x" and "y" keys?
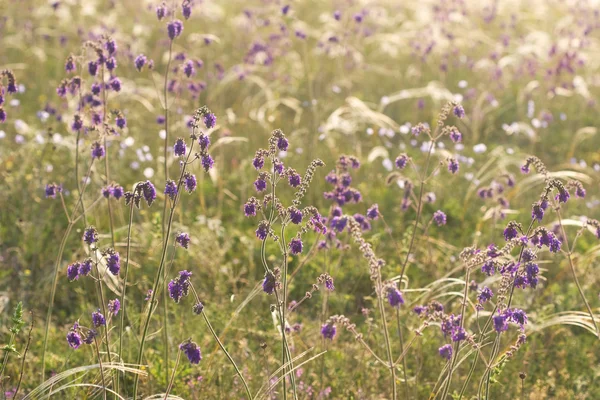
{"x": 170, "y": 385}
{"x": 386, "y": 335}
{"x": 101, "y": 368}
{"x": 159, "y": 272}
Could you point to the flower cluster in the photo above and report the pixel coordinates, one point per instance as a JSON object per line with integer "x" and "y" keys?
{"x": 11, "y": 88}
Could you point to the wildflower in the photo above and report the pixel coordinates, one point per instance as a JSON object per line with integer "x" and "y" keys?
{"x": 2, "y": 115}
{"x": 296, "y": 246}
{"x": 179, "y": 148}
{"x": 96, "y": 88}
{"x": 73, "y": 271}
{"x": 269, "y": 283}
{"x": 90, "y": 235}
{"x": 485, "y": 295}
{"x": 179, "y": 287}
{"x": 171, "y": 189}
{"x": 537, "y": 212}
{"x": 120, "y": 121}
{"x": 455, "y": 135}
{"x": 510, "y": 232}
{"x": 189, "y": 180}
{"x": 517, "y": 316}
{"x": 563, "y": 196}
{"x": 115, "y": 84}
{"x": 52, "y": 189}
{"x": 250, "y": 209}
{"x": 70, "y": 65}
{"x": 73, "y": 337}
{"x": 113, "y": 261}
{"x": 198, "y": 308}
{"x": 111, "y": 46}
{"x": 85, "y": 267}
{"x": 186, "y": 9}
{"x": 161, "y": 11}
{"x": 98, "y": 150}
{"x": 453, "y": 165}
{"x": 329, "y": 283}
{"x": 114, "y": 306}
{"x": 295, "y": 215}
{"x": 258, "y": 163}
{"x": 263, "y": 230}
{"x": 98, "y": 319}
{"x": 191, "y": 351}
{"x": 149, "y": 192}
{"x": 207, "y": 162}
{"x": 91, "y": 335}
{"x": 294, "y": 180}
{"x": 204, "y": 142}
{"x": 282, "y": 144}
{"x": 111, "y": 64}
{"x": 140, "y": 61}
{"x": 373, "y": 212}
{"x": 260, "y": 184}
{"x": 488, "y": 268}
{"x": 395, "y": 297}
{"x": 328, "y": 330}
{"x": 183, "y": 239}
{"x": 401, "y": 161}
{"x": 446, "y": 351}
{"x": 439, "y": 218}
{"x": 188, "y": 68}
{"x": 500, "y": 324}
{"x": 174, "y": 28}
{"x": 459, "y": 111}
{"x": 458, "y": 334}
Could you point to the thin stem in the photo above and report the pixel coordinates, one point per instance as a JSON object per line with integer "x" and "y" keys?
{"x": 386, "y": 335}
{"x": 212, "y": 331}
{"x": 101, "y": 369}
{"x": 103, "y": 303}
{"x": 124, "y": 290}
{"x": 23, "y": 360}
{"x": 106, "y": 168}
{"x": 159, "y": 273}
{"x": 170, "y": 385}
{"x": 402, "y": 351}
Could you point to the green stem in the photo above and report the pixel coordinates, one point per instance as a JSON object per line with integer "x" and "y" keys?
{"x": 170, "y": 385}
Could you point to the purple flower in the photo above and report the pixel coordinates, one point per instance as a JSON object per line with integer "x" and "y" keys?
{"x": 179, "y": 287}
{"x": 485, "y": 295}
{"x": 114, "y": 306}
{"x": 446, "y": 351}
{"x": 250, "y": 209}
{"x": 183, "y": 239}
{"x": 260, "y": 184}
{"x": 510, "y": 232}
{"x": 210, "y": 120}
{"x": 562, "y": 196}
{"x": 111, "y": 46}
{"x": 117, "y": 191}
{"x": 93, "y": 68}
{"x": 70, "y": 65}
{"x": 373, "y": 212}
{"x": 52, "y": 189}
{"x": 537, "y": 212}
{"x": 295, "y": 215}
{"x": 401, "y": 161}
{"x": 174, "y": 29}
{"x": 180, "y": 147}
{"x": 3, "y": 114}
{"x": 500, "y": 324}
{"x": 198, "y": 308}
{"x": 453, "y": 165}
{"x": 207, "y": 162}
{"x": 269, "y": 283}
{"x": 329, "y": 283}
{"x": 525, "y": 169}
{"x": 111, "y": 64}
{"x": 171, "y": 189}
{"x": 189, "y": 180}
{"x": 98, "y": 319}
{"x": 96, "y": 88}
{"x": 161, "y": 11}
{"x": 98, "y": 150}
{"x": 458, "y": 334}
{"x": 204, "y": 142}
{"x": 73, "y": 271}
{"x": 91, "y": 335}
{"x": 73, "y": 337}
{"x": 263, "y": 230}
{"x": 294, "y": 180}
{"x": 90, "y": 235}
{"x": 149, "y": 192}
{"x": 258, "y": 163}
{"x": 282, "y": 144}
{"x": 488, "y": 268}
{"x": 455, "y": 135}
{"x": 186, "y": 9}
{"x": 439, "y": 218}
{"x": 115, "y": 84}
{"x": 85, "y": 267}
{"x": 113, "y": 261}
{"x": 191, "y": 351}
{"x": 337, "y": 15}
{"x": 140, "y": 61}
{"x": 328, "y": 330}
{"x": 395, "y": 297}
{"x": 296, "y": 246}
{"x": 459, "y": 111}
{"x": 121, "y": 121}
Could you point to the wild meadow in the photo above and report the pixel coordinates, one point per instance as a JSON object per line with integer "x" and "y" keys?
{"x": 273, "y": 199}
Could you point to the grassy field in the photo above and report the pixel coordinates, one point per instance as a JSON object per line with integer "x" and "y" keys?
{"x": 375, "y": 199}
